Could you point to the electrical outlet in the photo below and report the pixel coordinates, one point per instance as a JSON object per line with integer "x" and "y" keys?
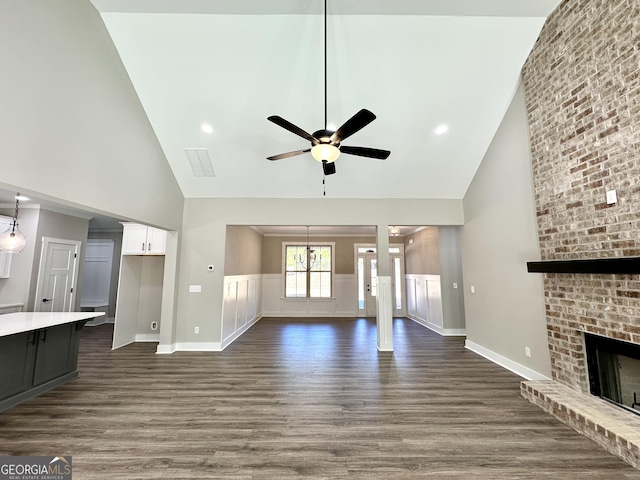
{"x": 611, "y": 197}
{"x": 154, "y": 325}
{"x": 473, "y": 289}
{"x": 196, "y": 330}
{"x": 527, "y": 352}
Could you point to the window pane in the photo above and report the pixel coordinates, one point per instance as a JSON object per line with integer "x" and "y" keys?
{"x": 295, "y": 285}
{"x": 296, "y": 258}
{"x": 361, "y": 283}
{"x": 320, "y": 286}
{"x": 374, "y": 277}
{"x": 398, "y": 282}
{"x": 394, "y": 249}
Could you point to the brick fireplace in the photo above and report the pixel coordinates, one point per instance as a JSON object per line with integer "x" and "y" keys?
{"x": 582, "y": 86}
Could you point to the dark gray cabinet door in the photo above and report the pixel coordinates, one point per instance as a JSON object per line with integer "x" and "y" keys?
{"x": 16, "y": 359}
{"x": 55, "y": 354}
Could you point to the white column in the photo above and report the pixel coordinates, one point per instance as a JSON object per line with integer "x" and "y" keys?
{"x": 384, "y": 314}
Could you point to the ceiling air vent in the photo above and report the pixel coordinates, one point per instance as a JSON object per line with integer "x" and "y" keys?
{"x": 200, "y": 162}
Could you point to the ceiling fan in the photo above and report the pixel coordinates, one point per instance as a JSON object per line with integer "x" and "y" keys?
{"x": 326, "y": 144}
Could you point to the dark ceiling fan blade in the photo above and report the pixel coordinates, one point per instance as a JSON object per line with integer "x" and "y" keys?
{"x": 292, "y": 128}
{"x": 360, "y": 120}
{"x": 366, "y": 152}
{"x": 288, "y": 154}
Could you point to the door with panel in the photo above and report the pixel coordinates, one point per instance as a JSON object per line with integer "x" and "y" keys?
{"x": 58, "y": 275}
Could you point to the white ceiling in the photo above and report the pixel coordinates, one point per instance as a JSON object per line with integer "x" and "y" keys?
{"x": 416, "y": 65}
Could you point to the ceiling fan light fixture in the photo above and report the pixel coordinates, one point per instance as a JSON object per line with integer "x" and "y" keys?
{"x": 326, "y": 152}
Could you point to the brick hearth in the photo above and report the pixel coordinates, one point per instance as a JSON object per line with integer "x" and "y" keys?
{"x": 615, "y": 429}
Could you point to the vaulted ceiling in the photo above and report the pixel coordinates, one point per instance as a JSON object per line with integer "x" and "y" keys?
{"x": 416, "y": 65}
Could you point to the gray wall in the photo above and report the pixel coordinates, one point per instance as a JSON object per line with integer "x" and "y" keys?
{"x": 499, "y": 236}
{"x": 344, "y": 251}
{"x": 422, "y": 257}
{"x": 204, "y": 232}
{"x": 15, "y": 289}
{"x": 450, "y": 273}
{"x": 243, "y": 251}
{"x": 65, "y": 227}
{"x": 72, "y": 128}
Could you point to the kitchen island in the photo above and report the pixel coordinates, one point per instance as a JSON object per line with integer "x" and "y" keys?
{"x": 38, "y": 352}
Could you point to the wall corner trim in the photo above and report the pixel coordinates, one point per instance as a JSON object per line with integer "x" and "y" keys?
{"x": 166, "y": 349}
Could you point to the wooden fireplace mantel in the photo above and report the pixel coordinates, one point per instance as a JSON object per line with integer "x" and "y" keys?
{"x": 623, "y": 265}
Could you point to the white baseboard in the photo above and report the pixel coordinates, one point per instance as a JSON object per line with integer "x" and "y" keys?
{"x": 198, "y": 347}
{"x": 445, "y": 332}
{"x": 94, "y": 322}
{"x": 353, "y": 314}
{"x": 164, "y": 349}
{"x": 516, "y": 368}
{"x": 147, "y": 337}
{"x": 454, "y": 332}
{"x": 238, "y": 333}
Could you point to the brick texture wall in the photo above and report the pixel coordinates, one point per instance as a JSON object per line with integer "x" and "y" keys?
{"x": 582, "y": 84}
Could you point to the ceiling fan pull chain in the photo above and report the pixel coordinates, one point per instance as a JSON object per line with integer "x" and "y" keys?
{"x": 324, "y": 186}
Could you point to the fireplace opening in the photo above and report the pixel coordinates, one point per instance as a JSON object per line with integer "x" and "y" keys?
{"x": 614, "y": 371}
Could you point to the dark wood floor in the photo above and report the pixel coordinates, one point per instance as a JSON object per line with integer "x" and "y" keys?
{"x": 293, "y": 399}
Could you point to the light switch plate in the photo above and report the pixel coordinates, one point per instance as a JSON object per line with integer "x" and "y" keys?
{"x": 195, "y": 288}
{"x": 612, "y": 197}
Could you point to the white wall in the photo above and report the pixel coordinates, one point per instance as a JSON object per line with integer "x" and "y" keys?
{"x": 72, "y": 127}
{"x": 424, "y": 302}
{"x": 242, "y": 305}
{"x": 506, "y": 314}
{"x": 203, "y": 241}
{"x": 343, "y": 303}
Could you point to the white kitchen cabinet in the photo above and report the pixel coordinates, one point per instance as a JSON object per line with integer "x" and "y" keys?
{"x": 142, "y": 240}
{"x": 5, "y": 258}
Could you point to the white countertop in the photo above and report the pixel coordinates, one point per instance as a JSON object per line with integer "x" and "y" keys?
{"x": 19, "y": 322}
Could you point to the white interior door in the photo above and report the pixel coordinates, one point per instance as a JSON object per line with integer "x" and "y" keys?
{"x": 58, "y": 275}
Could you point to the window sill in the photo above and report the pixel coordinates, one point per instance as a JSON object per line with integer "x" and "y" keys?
{"x": 304, "y": 299}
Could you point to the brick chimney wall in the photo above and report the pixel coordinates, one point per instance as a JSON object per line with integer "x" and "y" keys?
{"x": 582, "y": 85}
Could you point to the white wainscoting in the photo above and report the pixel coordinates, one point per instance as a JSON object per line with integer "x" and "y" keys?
{"x": 344, "y": 302}
{"x": 424, "y": 302}
{"x": 242, "y": 305}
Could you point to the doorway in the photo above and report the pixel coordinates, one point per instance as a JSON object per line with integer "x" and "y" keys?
{"x": 57, "y": 276}
{"x": 367, "y": 273}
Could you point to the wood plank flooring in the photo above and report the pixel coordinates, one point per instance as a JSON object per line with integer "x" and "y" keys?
{"x": 293, "y": 399}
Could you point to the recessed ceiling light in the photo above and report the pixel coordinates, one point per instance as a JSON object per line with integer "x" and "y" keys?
{"x": 206, "y": 128}
{"x": 440, "y": 129}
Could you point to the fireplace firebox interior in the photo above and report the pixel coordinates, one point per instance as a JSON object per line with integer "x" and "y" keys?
{"x": 614, "y": 371}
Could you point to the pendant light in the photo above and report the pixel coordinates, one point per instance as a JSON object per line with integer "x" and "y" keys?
{"x": 13, "y": 241}
{"x": 309, "y": 260}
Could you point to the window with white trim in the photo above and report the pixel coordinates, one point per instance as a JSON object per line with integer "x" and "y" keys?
{"x": 308, "y": 271}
